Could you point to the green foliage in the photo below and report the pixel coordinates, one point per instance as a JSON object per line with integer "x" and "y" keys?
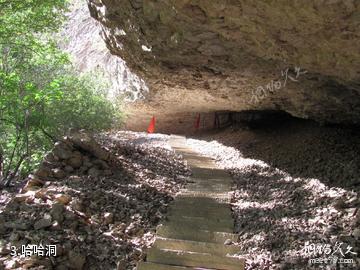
{"x": 41, "y": 96}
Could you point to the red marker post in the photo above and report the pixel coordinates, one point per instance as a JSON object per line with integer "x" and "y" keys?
{"x": 151, "y": 127}
{"x": 197, "y": 122}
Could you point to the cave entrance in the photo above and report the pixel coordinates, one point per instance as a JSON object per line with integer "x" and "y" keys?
{"x": 250, "y": 118}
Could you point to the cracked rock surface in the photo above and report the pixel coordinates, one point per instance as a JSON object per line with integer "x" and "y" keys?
{"x": 201, "y": 56}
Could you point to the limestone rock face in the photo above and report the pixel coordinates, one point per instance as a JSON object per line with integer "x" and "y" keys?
{"x": 302, "y": 57}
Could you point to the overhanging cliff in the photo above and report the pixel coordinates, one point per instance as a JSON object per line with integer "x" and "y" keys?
{"x": 302, "y": 57}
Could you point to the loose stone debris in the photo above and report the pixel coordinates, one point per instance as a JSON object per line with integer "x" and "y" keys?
{"x": 278, "y": 214}
{"x": 97, "y": 199}
{"x": 104, "y": 211}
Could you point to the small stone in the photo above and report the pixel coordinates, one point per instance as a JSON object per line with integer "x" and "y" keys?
{"x": 94, "y": 172}
{"x": 59, "y": 173}
{"x": 23, "y": 197}
{"x": 33, "y": 184}
{"x": 83, "y": 170}
{"x": 331, "y": 229}
{"x": 68, "y": 169}
{"x": 356, "y": 233}
{"x": 63, "y": 198}
{"x": 41, "y": 194}
{"x": 351, "y": 211}
{"x": 62, "y": 150}
{"x": 357, "y": 217}
{"x": 87, "y": 164}
{"x": 228, "y": 242}
{"x": 57, "y": 212}
{"x": 75, "y": 178}
{"x": 14, "y": 237}
{"x": 107, "y": 172}
{"x": 4, "y": 250}
{"x": 339, "y": 204}
{"x": 69, "y": 215}
{"x": 108, "y": 218}
{"x": 76, "y": 205}
{"x": 352, "y": 201}
{"x": 12, "y": 264}
{"x": 2, "y": 228}
{"x": 43, "y": 172}
{"x": 42, "y": 223}
{"x": 17, "y": 225}
{"x": 29, "y": 263}
{"x": 50, "y": 157}
{"x": 76, "y": 160}
{"x": 102, "y": 164}
{"x": 76, "y": 260}
{"x": 61, "y": 267}
{"x": 121, "y": 265}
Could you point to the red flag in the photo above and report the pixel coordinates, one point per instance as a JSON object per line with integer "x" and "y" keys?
{"x": 197, "y": 122}
{"x": 151, "y": 127}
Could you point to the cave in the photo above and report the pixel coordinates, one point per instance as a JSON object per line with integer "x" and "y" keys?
{"x": 200, "y": 56}
{"x": 180, "y": 134}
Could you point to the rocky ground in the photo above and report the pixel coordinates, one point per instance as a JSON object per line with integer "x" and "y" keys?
{"x": 98, "y": 205}
{"x": 295, "y": 197}
{"x": 296, "y": 189}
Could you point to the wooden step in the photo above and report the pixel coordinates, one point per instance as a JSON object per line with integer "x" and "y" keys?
{"x": 196, "y": 224}
{"x": 156, "y": 266}
{"x": 207, "y": 188}
{"x": 214, "y": 173}
{"x": 186, "y": 233}
{"x": 206, "y": 202}
{"x": 191, "y": 211}
{"x": 193, "y": 246}
{"x": 198, "y": 164}
{"x": 225, "y": 196}
{"x": 199, "y": 207}
{"x": 226, "y": 222}
{"x": 219, "y": 183}
{"x": 188, "y": 259}
{"x": 196, "y": 157}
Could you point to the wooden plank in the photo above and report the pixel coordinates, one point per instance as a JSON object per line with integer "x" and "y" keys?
{"x": 191, "y": 211}
{"x": 193, "y": 246}
{"x": 186, "y": 233}
{"x": 156, "y": 266}
{"x": 199, "y": 224}
{"x": 194, "y": 260}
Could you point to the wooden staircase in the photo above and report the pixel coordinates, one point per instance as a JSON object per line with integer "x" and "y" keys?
{"x": 199, "y": 221}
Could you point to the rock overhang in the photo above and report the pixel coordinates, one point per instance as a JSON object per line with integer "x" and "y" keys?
{"x": 201, "y": 56}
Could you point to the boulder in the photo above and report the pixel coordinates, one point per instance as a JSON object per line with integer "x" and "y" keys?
{"x": 58, "y": 173}
{"x": 84, "y": 141}
{"x": 76, "y": 160}
{"x": 62, "y": 150}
